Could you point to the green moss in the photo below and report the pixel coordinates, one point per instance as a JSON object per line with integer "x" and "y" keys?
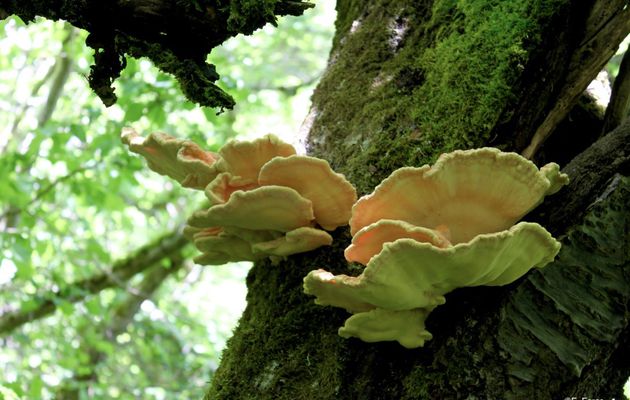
{"x": 472, "y": 69}
{"x": 248, "y": 15}
{"x": 270, "y": 346}
{"x": 443, "y": 87}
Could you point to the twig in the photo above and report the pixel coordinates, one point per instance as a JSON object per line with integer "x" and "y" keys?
{"x": 12, "y": 212}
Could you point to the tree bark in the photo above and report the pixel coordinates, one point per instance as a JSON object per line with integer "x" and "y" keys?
{"x": 407, "y": 81}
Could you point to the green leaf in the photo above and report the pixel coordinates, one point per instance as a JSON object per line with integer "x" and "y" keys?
{"x": 134, "y": 112}
{"x": 66, "y": 307}
{"x": 93, "y": 305}
{"x": 25, "y": 270}
{"x": 7, "y": 394}
{"x": 35, "y": 388}
{"x": 78, "y": 131}
{"x": 156, "y": 114}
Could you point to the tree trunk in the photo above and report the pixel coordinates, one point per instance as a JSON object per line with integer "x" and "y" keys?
{"x": 406, "y": 81}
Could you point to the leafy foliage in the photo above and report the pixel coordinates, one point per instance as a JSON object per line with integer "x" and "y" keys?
{"x": 72, "y": 201}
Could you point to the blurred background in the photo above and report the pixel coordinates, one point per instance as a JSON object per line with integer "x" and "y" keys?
{"x": 97, "y": 298}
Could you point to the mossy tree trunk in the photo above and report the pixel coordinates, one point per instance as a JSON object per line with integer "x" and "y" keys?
{"x": 406, "y": 81}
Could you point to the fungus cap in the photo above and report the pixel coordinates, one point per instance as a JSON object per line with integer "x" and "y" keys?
{"x": 180, "y": 159}
{"x": 369, "y": 241}
{"x": 470, "y": 192}
{"x": 406, "y": 327}
{"x": 246, "y": 221}
{"x": 223, "y": 185}
{"x": 408, "y": 274}
{"x": 299, "y": 240}
{"x": 331, "y": 194}
{"x": 556, "y": 178}
{"x": 266, "y": 208}
{"x": 221, "y": 249}
{"x": 253, "y": 236}
{"x": 245, "y": 159}
{"x": 191, "y": 233}
{"x": 324, "y": 286}
{"x": 237, "y": 244}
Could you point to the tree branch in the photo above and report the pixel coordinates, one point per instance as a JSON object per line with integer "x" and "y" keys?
{"x": 120, "y": 317}
{"x": 176, "y": 35}
{"x": 601, "y": 42}
{"x": 589, "y": 173}
{"x": 619, "y": 106}
{"x": 121, "y": 271}
{"x": 290, "y": 90}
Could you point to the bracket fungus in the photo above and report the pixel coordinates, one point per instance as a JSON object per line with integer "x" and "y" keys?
{"x": 179, "y": 159}
{"x": 265, "y": 201}
{"x": 426, "y": 231}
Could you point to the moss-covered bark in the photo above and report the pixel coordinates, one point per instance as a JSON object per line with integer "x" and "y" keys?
{"x": 410, "y": 80}
{"x": 176, "y": 35}
{"x": 406, "y": 81}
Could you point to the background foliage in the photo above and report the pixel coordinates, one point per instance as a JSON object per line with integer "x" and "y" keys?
{"x": 72, "y": 201}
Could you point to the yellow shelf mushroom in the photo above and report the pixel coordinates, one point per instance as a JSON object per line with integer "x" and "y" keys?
{"x": 427, "y": 231}
{"x": 467, "y": 191}
{"x": 265, "y": 201}
{"x": 180, "y": 159}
